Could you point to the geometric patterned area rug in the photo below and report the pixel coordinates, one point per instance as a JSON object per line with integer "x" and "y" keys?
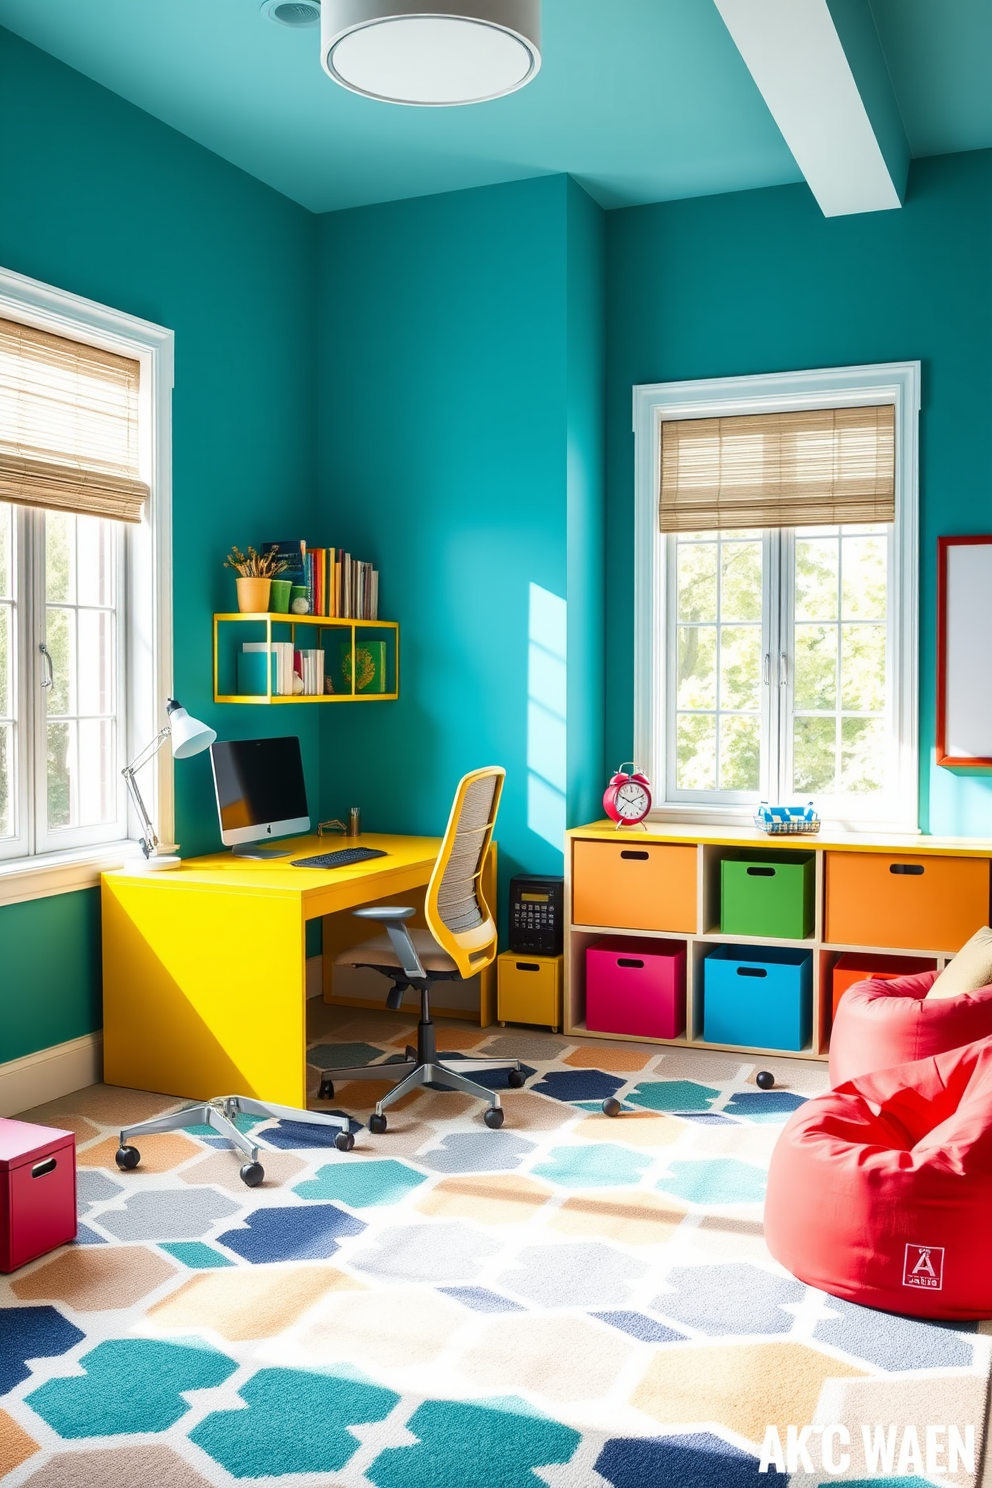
{"x": 570, "y": 1301}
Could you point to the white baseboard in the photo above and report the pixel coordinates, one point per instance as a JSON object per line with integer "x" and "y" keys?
{"x": 44, "y": 1076}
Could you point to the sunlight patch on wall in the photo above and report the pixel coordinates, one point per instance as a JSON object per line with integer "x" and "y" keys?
{"x": 546, "y": 716}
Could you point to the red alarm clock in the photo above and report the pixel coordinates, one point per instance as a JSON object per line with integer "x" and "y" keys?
{"x": 627, "y": 800}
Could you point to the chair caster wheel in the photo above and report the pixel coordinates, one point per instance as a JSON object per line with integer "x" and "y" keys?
{"x": 515, "y": 1078}
{"x": 127, "y": 1158}
{"x": 611, "y": 1106}
{"x": 764, "y": 1080}
{"x": 252, "y": 1174}
{"x": 344, "y": 1141}
{"x": 377, "y": 1124}
{"x": 326, "y": 1091}
{"x": 494, "y": 1117}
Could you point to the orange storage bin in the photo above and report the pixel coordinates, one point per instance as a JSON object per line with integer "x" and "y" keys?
{"x": 631, "y": 885}
{"x": 930, "y": 903}
{"x": 854, "y": 967}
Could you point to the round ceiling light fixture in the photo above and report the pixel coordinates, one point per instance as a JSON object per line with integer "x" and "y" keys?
{"x": 295, "y": 14}
{"x": 400, "y": 51}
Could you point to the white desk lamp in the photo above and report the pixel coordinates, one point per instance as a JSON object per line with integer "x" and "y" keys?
{"x": 189, "y": 736}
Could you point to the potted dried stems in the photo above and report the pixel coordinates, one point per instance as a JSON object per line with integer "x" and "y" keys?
{"x": 255, "y": 574}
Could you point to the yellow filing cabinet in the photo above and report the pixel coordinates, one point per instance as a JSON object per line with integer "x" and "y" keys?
{"x": 529, "y": 989}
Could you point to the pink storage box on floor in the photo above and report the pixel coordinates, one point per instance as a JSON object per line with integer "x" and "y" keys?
{"x": 636, "y": 987}
{"x": 37, "y": 1191}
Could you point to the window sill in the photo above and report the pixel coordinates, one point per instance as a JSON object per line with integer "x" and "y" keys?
{"x": 699, "y": 815}
{"x": 60, "y": 873}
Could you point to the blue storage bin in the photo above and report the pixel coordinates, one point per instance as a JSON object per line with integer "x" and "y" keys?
{"x": 760, "y": 996}
{"x": 251, "y": 672}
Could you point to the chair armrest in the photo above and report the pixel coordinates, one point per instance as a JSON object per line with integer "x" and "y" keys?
{"x": 393, "y": 917}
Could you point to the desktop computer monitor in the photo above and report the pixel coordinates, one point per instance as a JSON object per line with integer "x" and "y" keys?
{"x": 261, "y": 793}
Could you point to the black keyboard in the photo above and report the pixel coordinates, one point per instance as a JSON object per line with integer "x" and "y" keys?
{"x": 343, "y": 858}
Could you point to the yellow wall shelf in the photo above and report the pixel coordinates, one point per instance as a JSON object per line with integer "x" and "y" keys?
{"x": 272, "y": 627}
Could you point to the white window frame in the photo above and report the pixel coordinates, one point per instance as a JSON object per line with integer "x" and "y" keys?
{"x": 147, "y": 598}
{"x": 831, "y": 387}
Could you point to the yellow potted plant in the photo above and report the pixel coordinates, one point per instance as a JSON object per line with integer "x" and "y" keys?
{"x": 255, "y": 574}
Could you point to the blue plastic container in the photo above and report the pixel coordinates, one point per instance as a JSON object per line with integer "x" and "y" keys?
{"x": 251, "y": 672}
{"x": 759, "y": 996}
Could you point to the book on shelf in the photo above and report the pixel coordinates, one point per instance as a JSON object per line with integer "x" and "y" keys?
{"x": 309, "y": 665}
{"x": 370, "y": 666}
{"x": 340, "y": 586}
{"x": 293, "y": 555}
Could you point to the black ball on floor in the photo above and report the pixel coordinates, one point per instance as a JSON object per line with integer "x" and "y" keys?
{"x": 611, "y": 1106}
{"x": 494, "y": 1117}
{"x": 252, "y": 1174}
{"x": 515, "y": 1078}
{"x": 764, "y": 1080}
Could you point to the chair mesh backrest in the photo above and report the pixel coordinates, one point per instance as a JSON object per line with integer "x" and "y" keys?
{"x": 457, "y": 896}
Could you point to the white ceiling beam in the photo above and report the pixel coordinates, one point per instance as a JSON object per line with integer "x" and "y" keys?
{"x": 794, "y": 53}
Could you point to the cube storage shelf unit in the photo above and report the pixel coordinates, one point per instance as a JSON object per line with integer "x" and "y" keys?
{"x": 272, "y": 627}
{"x": 892, "y": 896}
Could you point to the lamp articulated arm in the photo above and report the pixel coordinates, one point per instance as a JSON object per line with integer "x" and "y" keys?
{"x": 189, "y": 736}
{"x": 149, "y": 841}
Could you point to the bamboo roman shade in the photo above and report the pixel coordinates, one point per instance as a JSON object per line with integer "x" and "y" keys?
{"x": 68, "y": 426}
{"x": 806, "y": 469}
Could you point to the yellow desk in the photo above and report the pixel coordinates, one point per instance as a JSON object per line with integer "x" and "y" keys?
{"x": 204, "y": 966}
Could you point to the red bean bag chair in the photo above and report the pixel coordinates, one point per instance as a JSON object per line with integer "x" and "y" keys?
{"x": 883, "y": 1023}
{"x": 880, "y": 1191}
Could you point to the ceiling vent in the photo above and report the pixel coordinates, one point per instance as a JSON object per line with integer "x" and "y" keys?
{"x": 296, "y": 14}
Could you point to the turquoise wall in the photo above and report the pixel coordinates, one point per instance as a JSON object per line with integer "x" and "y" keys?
{"x": 460, "y": 450}
{"x": 101, "y": 199}
{"x": 759, "y": 281}
{"x": 586, "y": 500}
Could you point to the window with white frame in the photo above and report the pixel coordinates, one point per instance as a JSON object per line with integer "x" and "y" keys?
{"x": 84, "y": 648}
{"x": 62, "y": 680}
{"x": 776, "y": 594}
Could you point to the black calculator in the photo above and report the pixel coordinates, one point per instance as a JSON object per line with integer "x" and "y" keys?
{"x": 536, "y": 915}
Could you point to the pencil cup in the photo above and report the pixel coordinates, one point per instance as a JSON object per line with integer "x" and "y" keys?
{"x": 279, "y": 596}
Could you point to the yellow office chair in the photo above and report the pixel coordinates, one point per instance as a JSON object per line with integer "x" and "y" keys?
{"x": 461, "y": 940}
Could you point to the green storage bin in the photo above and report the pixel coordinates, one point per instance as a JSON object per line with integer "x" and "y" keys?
{"x": 771, "y": 895}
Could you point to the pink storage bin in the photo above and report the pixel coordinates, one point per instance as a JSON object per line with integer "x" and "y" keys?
{"x": 636, "y": 987}
{"x": 37, "y": 1191}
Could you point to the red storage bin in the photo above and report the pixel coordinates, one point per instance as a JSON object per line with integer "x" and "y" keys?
{"x": 37, "y": 1191}
{"x": 636, "y": 987}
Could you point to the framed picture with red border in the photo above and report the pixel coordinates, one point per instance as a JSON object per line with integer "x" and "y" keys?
{"x": 964, "y": 651}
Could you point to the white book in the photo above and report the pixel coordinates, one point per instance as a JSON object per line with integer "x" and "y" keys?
{"x": 312, "y": 661}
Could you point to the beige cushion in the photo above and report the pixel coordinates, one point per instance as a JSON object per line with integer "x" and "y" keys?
{"x": 970, "y": 969}
{"x": 379, "y": 952}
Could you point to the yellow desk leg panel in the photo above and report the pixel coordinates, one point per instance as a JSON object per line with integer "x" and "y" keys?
{"x": 204, "y": 992}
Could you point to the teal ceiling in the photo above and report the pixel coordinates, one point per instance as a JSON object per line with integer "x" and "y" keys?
{"x": 640, "y": 100}
{"x": 940, "y": 61}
